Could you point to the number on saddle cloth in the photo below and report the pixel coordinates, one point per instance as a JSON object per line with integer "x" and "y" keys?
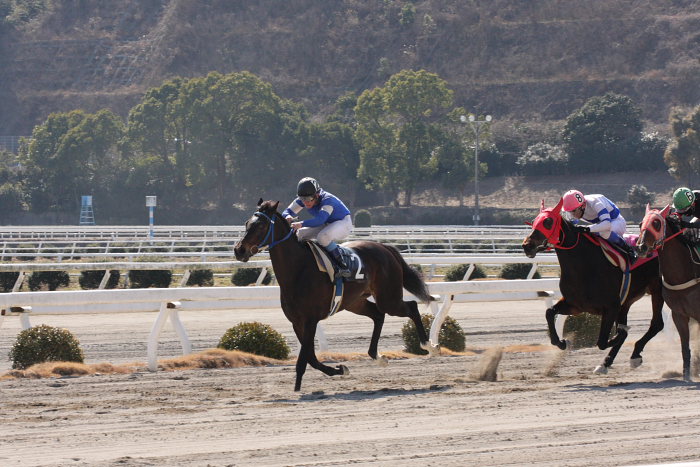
{"x": 353, "y": 262}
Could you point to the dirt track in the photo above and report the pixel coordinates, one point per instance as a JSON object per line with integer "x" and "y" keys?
{"x": 414, "y": 411}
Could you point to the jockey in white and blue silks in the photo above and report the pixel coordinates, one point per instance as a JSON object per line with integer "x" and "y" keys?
{"x": 331, "y": 220}
{"x": 604, "y": 216}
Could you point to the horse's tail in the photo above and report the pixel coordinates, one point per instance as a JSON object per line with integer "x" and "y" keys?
{"x": 412, "y": 281}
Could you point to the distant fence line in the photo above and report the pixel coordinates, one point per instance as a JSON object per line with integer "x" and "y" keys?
{"x": 207, "y": 243}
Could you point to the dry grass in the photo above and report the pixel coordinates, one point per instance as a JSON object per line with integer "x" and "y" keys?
{"x": 219, "y": 358}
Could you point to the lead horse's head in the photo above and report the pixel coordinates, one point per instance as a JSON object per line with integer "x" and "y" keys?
{"x": 652, "y": 230}
{"x": 546, "y": 230}
{"x": 259, "y": 231}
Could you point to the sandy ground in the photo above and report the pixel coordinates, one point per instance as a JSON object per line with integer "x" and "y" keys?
{"x": 546, "y": 408}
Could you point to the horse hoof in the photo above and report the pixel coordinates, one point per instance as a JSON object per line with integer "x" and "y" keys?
{"x": 343, "y": 370}
{"x": 635, "y": 362}
{"x": 431, "y": 348}
{"x": 382, "y": 360}
{"x": 601, "y": 370}
{"x": 623, "y": 327}
{"x": 564, "y": 345}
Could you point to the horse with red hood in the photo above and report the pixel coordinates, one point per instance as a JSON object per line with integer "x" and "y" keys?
{"x": 594, "y": 281}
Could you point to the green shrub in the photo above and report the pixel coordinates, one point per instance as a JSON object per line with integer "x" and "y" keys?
{"x": 451, "y": 335}
{"x": 201, "y": 277}
{"x": 457, "y": 272}
{"x": 255, "y": 338}
{"x": 143, "y": 279}
{"x": 51, "y": 279}
{"x": 363, "y": 218}
{"x": 517, "y": 271}
{"x": 7, "y": 280}
{"x": 247, "y": 276}
{"x": 582, "y": 330}
{"x": 44, "y": 344}
{"x": 92, "y": 279}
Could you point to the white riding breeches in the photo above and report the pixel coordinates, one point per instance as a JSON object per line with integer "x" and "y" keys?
{"x": 327, "y": 233}
{"x": 617, "y": 225}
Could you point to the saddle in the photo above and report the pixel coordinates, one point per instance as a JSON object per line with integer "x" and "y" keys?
{"x": 325, "y": 264}
{"x": 620, "y": 259}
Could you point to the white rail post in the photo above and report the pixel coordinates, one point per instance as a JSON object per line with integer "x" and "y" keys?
{"x": 18, "y": 282}
{"x": 105, "y": 279}
{"x": 439, "y": 318}
{"x": 167, "y": 310}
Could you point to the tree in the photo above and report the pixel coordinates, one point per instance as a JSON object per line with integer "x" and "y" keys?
{"x": 71, "y": 154}
{"x": 398, "y": 130}
{"x": 603, "y": 134}
{"x": 683, "y": 153}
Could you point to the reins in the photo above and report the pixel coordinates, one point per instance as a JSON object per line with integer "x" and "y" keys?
{"x": 271, "y": 233}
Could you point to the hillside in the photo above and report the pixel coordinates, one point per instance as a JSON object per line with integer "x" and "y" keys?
{"x": 519, "y": 61}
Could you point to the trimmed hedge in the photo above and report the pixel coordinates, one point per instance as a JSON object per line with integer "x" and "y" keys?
{"x": 143, "y": 279}
{"x": 92, "y": 279}
{"x": 451, "y": 335}
{"x": 201, "y": 277}
{"x": 51, "y": 279}
{"x": 456, "y": 273}
{"x": 44, "y": 344}
{"x": 517, "y": 271}
{"x": 246, "y": 276}
{"x": 256, "y": 338}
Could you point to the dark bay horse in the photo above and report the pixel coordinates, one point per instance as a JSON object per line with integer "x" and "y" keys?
{"x": 306, "y": 293}
{"x": 590, "y": 283}
{"x": 680, "y": 271}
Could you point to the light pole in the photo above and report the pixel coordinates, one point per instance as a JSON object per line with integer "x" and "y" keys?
{"x": 476, "y": 128}
{"x": 151, "y": 205}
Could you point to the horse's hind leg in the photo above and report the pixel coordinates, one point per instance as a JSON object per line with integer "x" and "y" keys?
{"x": 364, "y": 307}
{"x": 391, "y": 302}
{"x": 655, "y": 326}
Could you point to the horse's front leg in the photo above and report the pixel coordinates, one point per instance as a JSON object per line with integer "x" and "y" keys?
{"x": 683, "y": 325}
{"x": 655, "y": 326}
{"x": 307, "y": 354}
{"x": 615, "y": 344}
{"x": 562, "y": 307}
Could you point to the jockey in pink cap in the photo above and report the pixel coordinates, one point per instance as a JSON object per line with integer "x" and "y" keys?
{"x": 604, "y": 217}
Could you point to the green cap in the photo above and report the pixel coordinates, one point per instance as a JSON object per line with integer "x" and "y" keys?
{"x": 683, "y": 198}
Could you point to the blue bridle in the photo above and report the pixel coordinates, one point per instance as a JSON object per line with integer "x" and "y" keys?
{"x": 270, "y": 232}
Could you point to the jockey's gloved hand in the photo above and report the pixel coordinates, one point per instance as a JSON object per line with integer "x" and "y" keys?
{"x": 582, "y": 228}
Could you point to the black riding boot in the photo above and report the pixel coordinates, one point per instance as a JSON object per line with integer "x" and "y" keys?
{"x": 627, "y": 248}
{"x": 341, "y": 268}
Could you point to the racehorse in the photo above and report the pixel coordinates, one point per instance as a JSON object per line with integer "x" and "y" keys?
{"x": 680, "y": 272}
{"x": 306, "y": 293}
{"x": 590, "y": 283}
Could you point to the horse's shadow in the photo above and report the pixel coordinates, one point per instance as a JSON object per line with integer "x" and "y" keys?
{"x": 364, "y": 395}
{"x": 663, "y": 384}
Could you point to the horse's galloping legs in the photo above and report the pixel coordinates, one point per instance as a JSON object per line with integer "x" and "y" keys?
{"x": 655, "y": 326}
{"x": 562, "y": 307}
{"x": 307, "y": 354}
{"x": 619, "y": 339}
{"x": 682, "y": 324}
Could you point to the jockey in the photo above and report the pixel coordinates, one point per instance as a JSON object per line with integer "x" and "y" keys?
{"x": 331, "y": 220}
{"x": 604, "y": 216}
{"x": 687, "y": 205}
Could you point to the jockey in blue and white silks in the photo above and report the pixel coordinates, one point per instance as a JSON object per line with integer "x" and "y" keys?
{"x": 603, "y": 214}
{"x": 331, "y": 220}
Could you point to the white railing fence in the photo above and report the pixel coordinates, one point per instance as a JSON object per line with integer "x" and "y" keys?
{"x": 169, "y": 302}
